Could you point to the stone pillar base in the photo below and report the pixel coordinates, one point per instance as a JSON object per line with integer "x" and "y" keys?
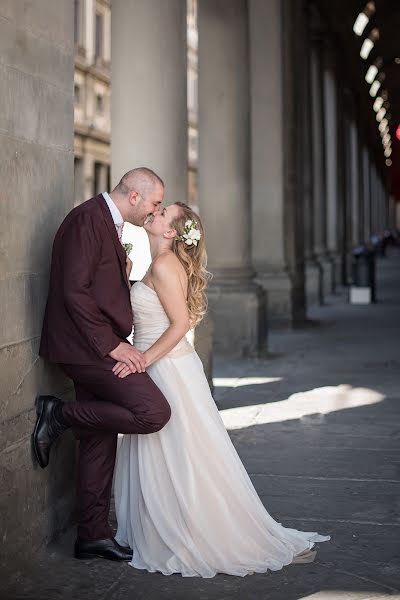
{"x": 313, "y": 283}
{"x": 336, "y": 263}
{"x": 279, "y": 298}
{"x": 203, "y": 343}
{"x": 238, "y": 313}
{"x": 327, "y": 274}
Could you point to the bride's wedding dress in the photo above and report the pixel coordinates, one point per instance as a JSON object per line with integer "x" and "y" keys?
{"x": 184, "y": 501}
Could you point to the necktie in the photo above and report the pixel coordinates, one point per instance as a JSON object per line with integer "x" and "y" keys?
{"x": 119, "y": 227}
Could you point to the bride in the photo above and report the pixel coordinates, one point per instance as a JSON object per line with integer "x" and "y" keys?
{"x": 184, "y": 501}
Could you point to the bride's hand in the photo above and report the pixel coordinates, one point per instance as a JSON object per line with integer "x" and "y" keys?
{"x": 128, "y": 266}
{"x": 122, "y": 370}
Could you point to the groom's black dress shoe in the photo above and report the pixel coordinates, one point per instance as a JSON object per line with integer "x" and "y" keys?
{"x": 107, "y": 548}
{"x": 49, "y": 425}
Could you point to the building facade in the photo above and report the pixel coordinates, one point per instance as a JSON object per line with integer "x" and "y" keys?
{"x": 92, "y": 95}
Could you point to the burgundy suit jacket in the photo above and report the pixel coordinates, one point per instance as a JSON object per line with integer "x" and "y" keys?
{"x": 88, "y": 311}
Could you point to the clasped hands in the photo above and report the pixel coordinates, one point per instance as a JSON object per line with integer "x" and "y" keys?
{"x": 129, "y": 360}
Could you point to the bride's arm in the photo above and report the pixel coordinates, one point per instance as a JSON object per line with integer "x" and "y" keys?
{"x": 167, "y": 284}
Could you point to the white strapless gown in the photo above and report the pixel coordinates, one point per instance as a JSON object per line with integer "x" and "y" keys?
{"x": 184, "y": 501}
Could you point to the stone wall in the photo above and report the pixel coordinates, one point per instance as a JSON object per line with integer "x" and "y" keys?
{"x": 36, "y": 174}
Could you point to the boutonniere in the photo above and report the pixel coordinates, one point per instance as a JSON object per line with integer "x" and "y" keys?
{"x": 128, "y": 248}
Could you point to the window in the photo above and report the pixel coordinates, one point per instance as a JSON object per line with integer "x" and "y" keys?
{"x": 99, "y": 103}
{"x": 193, "y": 143}
{"x": 77, "y": 93}
{"x": 192, "y": 91}
{"x": 78, "y": 181}
{"x": 108, "y": 177}
{"x": 99, "y": 36}
{"x": 100, "y": 177}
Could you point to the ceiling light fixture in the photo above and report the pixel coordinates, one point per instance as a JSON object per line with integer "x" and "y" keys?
{"x": 371, "y": 74}
{"x": 363, "y": 17}
{"x": 380, "y": 114}
{"x": 373, "y": 90}
{"x": 388, "y": 162}
{"x": 360, "y": 23}
{"x": 366, "y": 48}
{"x": 383, "y": 124}
{"x": 378, "y": 103}
{"x": 369, "y": 43}
{"x": 387, "y": 152}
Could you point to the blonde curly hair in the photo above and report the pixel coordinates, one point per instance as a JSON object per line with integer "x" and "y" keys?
{"x": 194, "y": 260}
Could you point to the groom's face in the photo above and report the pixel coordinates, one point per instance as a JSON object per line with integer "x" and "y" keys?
{"x": 147, "y": 206}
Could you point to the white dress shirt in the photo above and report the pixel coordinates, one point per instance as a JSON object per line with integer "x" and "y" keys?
{"x": 115, "y": 213}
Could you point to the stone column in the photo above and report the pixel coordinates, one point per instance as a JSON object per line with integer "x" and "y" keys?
{"x": 89, "y": 21}
{"x": 373, "y": 195}
{"x": 149, "y": 107}
{"x": 331, "y": 161}
{"x": 345, "y": 230}
{"x": 392, "y": 211}
{"x": 277, "y": 220}
{"x": 318, "y": 154}
{"x": 88, "y": 175}
{"x": 343, "y": 195}
{"x": 148, "y": 82}
{"x": 224, "y": 190}
{"x": 361, "y": 183}
{"x": 374, "y": 199}
{"x": 367, "y": 193}
{"x": 355, "y": 184}
{"x": 107, "y": 36}
{"x": 384, "y": 205}
{"x": 37, "y": 191}
{"x": 313, "y": 271}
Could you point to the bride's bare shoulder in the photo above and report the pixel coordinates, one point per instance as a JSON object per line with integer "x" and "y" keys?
{"x": 167, "y": 264}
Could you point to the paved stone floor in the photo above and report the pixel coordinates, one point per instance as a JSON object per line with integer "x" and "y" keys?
{"x": 317, "y": 424}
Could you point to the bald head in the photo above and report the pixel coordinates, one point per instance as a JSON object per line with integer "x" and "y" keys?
{"x": 141, "y": 180}
{"x": 138, "y": 195}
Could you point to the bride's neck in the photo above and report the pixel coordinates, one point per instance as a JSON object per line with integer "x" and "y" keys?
{"x": 159, "y": 246}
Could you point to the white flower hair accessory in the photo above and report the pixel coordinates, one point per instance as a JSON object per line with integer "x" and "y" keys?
{"x": 191, "y": 235}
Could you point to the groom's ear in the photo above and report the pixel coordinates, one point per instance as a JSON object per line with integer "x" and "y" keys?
{"x": 133, "y": 198}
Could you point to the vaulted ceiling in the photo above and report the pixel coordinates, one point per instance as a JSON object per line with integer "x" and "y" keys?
{"x": 340, "y": 16}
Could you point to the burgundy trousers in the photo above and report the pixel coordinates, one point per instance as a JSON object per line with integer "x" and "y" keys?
{"x": 106, "y": 406}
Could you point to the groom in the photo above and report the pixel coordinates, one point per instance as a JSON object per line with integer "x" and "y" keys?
{"x": 87, "y": 320}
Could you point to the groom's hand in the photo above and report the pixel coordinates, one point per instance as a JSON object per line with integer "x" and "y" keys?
{"x": 130, "y": 357}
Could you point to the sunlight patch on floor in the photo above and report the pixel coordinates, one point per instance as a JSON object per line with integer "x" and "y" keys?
{"x": 302, "y": 405}
{"x": 235, "y": 382}
{"x": 348, "y": 595}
